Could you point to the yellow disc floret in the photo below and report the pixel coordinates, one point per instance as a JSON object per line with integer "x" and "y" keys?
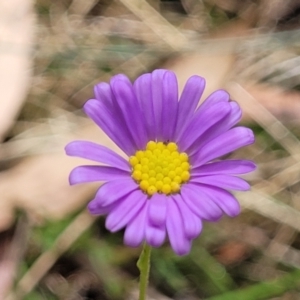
{"x": 160, "y": 168}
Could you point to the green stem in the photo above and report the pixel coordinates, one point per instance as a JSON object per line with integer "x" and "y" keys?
{"x": 144, "y": 266}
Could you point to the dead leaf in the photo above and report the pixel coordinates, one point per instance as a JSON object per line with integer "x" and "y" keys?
{"x": 232, "y": 252}
{"x": 16, "y": 38}
{"x": 39, "y": 184}
{"x": 215, "y": 68}
{"x": 283, "y": 104}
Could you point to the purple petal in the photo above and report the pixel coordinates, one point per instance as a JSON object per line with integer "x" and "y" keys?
{"x": 225, "y": 143}
{"x": 97, "y": 153}
{"x": 143, "y": 91}
{"x": 130, "y": 108}
{"x": 225, "y": 167}
{"x": 219, "y": 127}
{"x": 155, "y": 236}
{"x": 170, "y": 105}
{"x": 199, "y": 203}
{"x": 192, "y": 224}
{"x": 189, "y": 99}
{"x": 95, "y": 209}
{"x": 234, "y": 117}
{"x": 216, "y": 97}
{"x": 103, "y": 93}
{"x": 127, "y": 210}
{"x": 201, "y": 123}
{"x": 135, "y": 229}
{"x": 158, "y": 210}
{"x": 157, "y": 85}
{"x": 108, "y": 122}
{"x": 225, "y": 124}
{"x": 114, "y": 190}
{"x": 96, "y": 173}
{"x": 225, "y": 200}
{"x": 227, "y": 182}
{"x": 175, "y": 227}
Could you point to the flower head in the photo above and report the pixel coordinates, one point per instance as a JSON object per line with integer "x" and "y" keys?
{"x": 172, "y": 179}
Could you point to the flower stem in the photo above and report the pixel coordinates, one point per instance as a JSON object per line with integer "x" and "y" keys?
{"x": 144, "y": 266}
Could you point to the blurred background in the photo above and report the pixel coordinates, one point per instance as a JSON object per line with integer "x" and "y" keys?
{"x": 52, "y": 53}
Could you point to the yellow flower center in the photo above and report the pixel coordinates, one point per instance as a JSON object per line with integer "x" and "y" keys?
{"x": 160, "y": 168}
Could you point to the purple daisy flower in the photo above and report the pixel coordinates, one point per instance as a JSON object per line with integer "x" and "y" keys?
{"x": 172, "y": 179}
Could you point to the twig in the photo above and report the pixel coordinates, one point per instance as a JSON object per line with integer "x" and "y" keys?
{"x": 46, "y": 260}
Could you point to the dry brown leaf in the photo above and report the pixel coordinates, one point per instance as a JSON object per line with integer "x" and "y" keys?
{"x": 16, "y": 37}
{"x": 39, "y": 184}
{"x": 215, "y": 68}
{"x": 283, "y": 104}
{"x": 215, "y": 58}
{"x": 232, "y": 252}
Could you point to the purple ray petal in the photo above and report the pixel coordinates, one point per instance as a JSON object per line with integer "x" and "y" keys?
{"x": 189, "y": 99}
{"x": 234, "y": 117}
{"x": 155, "y": 236}
{"x": 170, "y": 105}
{"x": 157, "y": 100}
{"x": 130, "y": 109}
{"x": 103, "y": 93}
{"x": 224, "y": 124}
{"x": 192, "y": 224}
{"x": 225, "y": 200}
{"x": 97, "y": 153}
{"x": 231, "y": 167}
{"x": 127, "y": 209}
{"x": 175, "y": 227}
{"x": 199, "y": 203}
{"x": 201, "y": 123}
{"x": 227, "y": 182}
{"x": 135, "y": 229}
{"x": 114, "y": 190}
{"x": 143, "y": 91}
{"x": 95, "y": 209}
{"x": 227, "y": 142}
{"x": 96, "y": 173}
{"x": 158, "y": 210}
{"x": 103, "y": 117}
{"x": 216, "y": 97}
{"x": 218, "y": 128}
